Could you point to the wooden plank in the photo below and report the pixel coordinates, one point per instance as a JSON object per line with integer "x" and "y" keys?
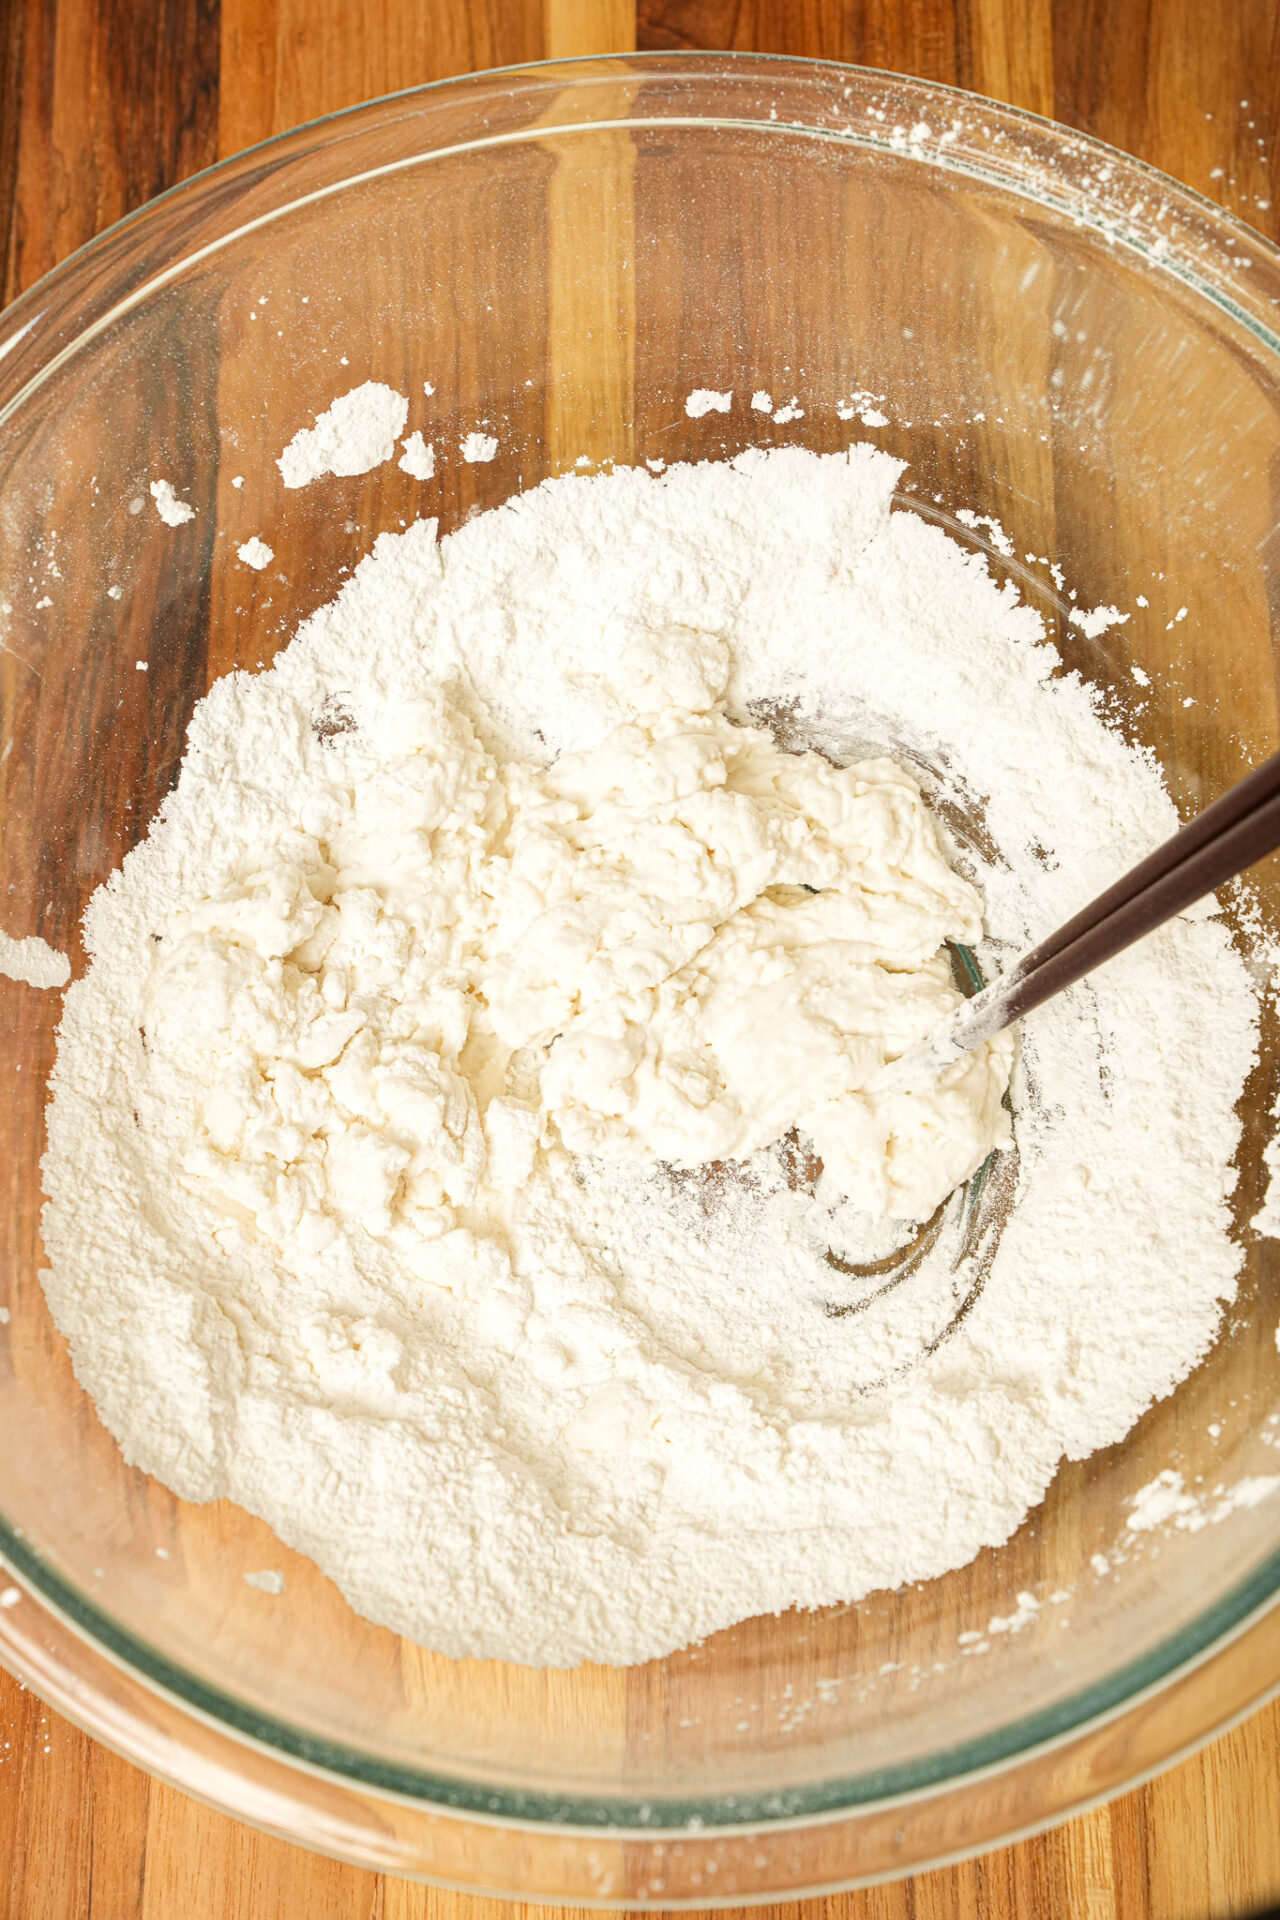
{"x": 111, "y": 110}
{"x": 102, "y": 106}
{"x": 287, "y": 61}
{"x": 575, "y": 29}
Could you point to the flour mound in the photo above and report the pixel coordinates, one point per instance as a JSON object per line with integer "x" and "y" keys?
{"x": 377, "y": 1185}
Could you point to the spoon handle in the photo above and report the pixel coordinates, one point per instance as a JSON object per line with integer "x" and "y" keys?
{"x": 1227, "y": 837}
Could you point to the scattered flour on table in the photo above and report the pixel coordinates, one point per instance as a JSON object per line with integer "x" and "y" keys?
{"x": 1097, "y": 621}
{"x": 266, "y": 1580}
{"x": 315, "y": 1235}
{"x": 863, "y": 405}
{"x": 256, "y": 553}
{"x": 173, "y": 511}
{"x": 419, "y": 458}
{"x": 357, "y": 433}
{"x": 33, "y": 961}
{"x": 704, "y": 400}
{"x": 478, "y": 448}
{"x": 1026, "y": 1611}
{"x": 1167, "y": 1498}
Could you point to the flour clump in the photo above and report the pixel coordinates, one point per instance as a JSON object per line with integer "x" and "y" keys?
{"x": 469, "y": 1148}
{"x": 354, "y": 435}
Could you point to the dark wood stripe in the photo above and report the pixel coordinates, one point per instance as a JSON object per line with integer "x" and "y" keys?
{"x": 12, "y": 36}
{"x": 103, "y": 104}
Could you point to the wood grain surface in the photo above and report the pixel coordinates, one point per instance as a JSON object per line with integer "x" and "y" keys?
{"x": 104, "y": 103}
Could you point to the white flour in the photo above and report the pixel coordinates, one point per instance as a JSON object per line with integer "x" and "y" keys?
{"x": 357, "y": 433}
{"x": 418, "y": 459}
{"x": 266, "y": 1580}
{"x": 1167, "y": 1498}
{"x": 613, "y": 1406}
{"x": 173, "y": 511}
{"x": 33, "y": 961}
{"x": 255, "y": 553}
{"x": 703, "y": 400}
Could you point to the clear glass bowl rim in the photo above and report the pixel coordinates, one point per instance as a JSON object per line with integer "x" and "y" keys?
{"x": 1030, "y": 1734}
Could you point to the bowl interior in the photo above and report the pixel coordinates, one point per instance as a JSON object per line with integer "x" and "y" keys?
{"x": 563, "y": 256}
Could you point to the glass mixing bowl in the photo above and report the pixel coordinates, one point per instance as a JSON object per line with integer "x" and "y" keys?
{"x": 1057, "y": 338}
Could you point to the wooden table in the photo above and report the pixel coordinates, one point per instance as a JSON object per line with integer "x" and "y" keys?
{"x": 103, "y": 105}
